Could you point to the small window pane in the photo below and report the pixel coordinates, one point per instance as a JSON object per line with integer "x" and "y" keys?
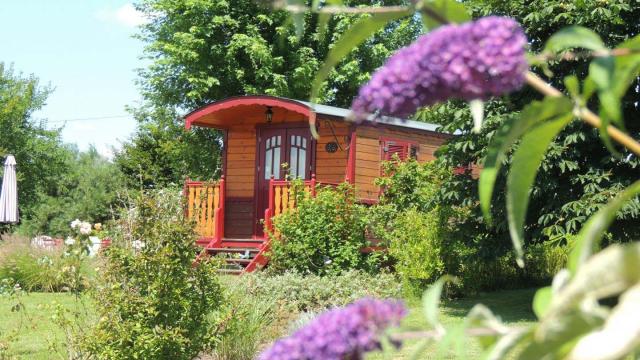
{"x": 279, "y": 140}
{"x": 268, "y": 164}
{"x": 294, "y": 161}
{"x": 304, "y": 143}
{"x": 302, "y": 160}
{"x": 276, "y": 163}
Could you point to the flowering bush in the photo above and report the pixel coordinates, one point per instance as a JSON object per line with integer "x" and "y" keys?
{"x": 338, "y": 334}
{"x": 470, "y": 61}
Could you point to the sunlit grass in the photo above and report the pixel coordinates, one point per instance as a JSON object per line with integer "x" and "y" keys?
{"x": 36, "y": 332}
{"x": 33, "y": 333}
{"x": 513, "y": 307}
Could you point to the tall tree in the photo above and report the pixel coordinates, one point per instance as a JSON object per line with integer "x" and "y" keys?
{"x": 578, "y": 174}
{"x": 205, "y": 50}
{"x": 42, "y": 160}
{"x": 89, "y": 190}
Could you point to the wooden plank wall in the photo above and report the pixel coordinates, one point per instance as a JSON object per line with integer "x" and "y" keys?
{"x": 241, "y": 168}
{"x": 331, "y": 167}
{"x": 368, "y": 155}
{"x": 241, "y": 151}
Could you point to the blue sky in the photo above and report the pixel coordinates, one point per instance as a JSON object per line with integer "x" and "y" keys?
{"x": 84, "y": 49}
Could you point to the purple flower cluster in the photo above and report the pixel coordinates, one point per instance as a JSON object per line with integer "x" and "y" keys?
{"x": 345, "y": 333}
{"x": 475, "y": 60}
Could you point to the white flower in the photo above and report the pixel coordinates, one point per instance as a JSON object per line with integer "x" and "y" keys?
{"x": 69, "y": 240}
{"x": 85, "y": 228}
{"x": 137, "y": 244}
{"x": 75, "y": 223}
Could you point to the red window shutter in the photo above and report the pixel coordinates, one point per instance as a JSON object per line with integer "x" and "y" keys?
{"x": 404, "y": 150}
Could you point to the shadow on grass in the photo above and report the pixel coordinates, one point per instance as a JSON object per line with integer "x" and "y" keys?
{"x": 510, "y": 306}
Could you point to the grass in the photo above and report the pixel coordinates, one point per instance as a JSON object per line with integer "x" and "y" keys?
{"x": 32, "y": 330}
{"x": 37, "y": 334}
{"x": 513, "y": 307}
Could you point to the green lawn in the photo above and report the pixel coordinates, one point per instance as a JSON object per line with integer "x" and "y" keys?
{"x": 37, "y": 334}
{"x": 32, "y": 331}
{"x": 513, "y": 307}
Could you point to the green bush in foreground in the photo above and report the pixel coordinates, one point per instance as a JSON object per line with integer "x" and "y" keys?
{"x": 154, "y": 304}
{"x": 324, "y": 235}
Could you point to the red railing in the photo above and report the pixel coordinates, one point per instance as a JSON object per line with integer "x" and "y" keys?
{"x": 205, "y": 206}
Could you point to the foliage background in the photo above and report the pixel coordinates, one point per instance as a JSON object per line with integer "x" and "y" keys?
{"x": 202, "y": 51}
{"x": 56, "y": 182}
{"x": 578, "y": 174}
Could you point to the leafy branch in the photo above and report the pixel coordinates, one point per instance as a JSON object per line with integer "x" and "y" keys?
{"x": 585, "y": 114}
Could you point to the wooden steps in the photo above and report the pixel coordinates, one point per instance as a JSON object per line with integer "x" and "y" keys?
{"x": 236, "y": 253}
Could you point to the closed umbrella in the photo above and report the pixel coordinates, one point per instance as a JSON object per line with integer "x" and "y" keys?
{"x": 9, "y": 193}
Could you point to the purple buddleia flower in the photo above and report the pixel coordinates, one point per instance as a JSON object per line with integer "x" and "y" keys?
{"x": 340, "y": 334}
{"x": 475, "y": 60}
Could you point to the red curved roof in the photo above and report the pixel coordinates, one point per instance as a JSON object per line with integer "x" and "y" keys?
{"x": 264, "y": 100}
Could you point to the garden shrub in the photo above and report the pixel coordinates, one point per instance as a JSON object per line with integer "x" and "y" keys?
{"x": 325, "y": 234}
{"x": 410, "y": 184}
{"x": 304, "y": 292}
{"x": 500, "y": 273}
{"x": 154, "y": 303}
{"x": 426, "y": 239}
{"x": 244, "y": 324}
{"x": 46, "y": 270}
{"x": 263, "y": 306}
{"x": 419, "y": 233}
{"x": 416, "y": 243}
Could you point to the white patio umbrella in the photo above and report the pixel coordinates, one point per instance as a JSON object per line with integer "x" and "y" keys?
{"x": 9, "y": 193}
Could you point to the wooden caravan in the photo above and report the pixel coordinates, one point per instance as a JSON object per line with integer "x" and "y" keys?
{"x": 268, "y": 140}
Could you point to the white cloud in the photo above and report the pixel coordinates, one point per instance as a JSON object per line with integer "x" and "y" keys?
{"x": 126, "y": 15}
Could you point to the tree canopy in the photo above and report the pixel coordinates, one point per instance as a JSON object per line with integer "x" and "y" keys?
{"x": 201, "y": 51}
{"x": 56, "y": 182}
{"x": 578, "y": 174}
{"x": 41, "y": 159}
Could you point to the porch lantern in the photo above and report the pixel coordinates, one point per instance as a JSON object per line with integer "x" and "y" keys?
{"x": 269, "y": 114}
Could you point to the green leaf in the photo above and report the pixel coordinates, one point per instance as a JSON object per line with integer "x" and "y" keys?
{"x": 620, "y": 334}
{"x": 353, "y": 37}
{"x": 454, "y": 339}
{"x": 590, "y": 235}
{"x": 507, "y": 343}
{"x": 298, "y": 17}
{"x": 450, "y": 10}
{"x": 481, "y": 317}
{"x": 572, "y": 84}
{"x": 509, "y": 132}
{"x": 522, "y": 174}
{"x": 627, "y": 67}
{"x": 541, "y": 301}
{"x": 431, "y": 300}
{"x": 607, "y": 273}
{"x": 323, "y": 18}
{"x": 555, "y": 342}
{"x": 589, "y": 87}
{"x": 601, "y": 72}
{"x": 574, "y": 37}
